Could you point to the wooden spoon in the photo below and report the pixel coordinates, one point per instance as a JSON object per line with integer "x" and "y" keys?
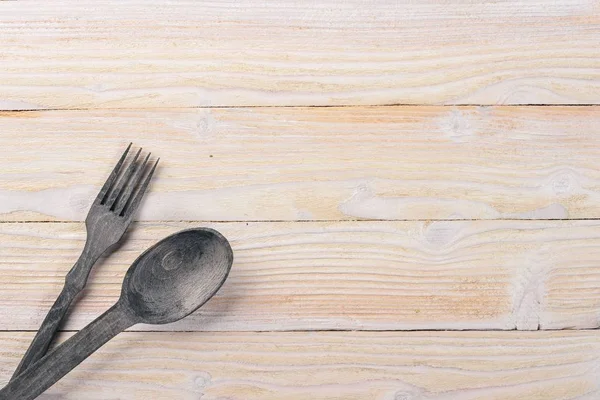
{"x": 167, "y": 282}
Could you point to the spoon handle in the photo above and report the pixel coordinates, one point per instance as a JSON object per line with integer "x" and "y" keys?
{"x": 57, "y": 363}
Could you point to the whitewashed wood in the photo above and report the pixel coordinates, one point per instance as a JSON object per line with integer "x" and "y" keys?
{"x": 391, "y": 163}
{"x": 123, "y": 54}
{"x": 523, "y": 275}
{"x": 331, "y": 365}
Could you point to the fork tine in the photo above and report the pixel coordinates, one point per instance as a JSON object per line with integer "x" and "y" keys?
{"x": 131, "y": 185}
{"x": 111, "y": 178}
{"x": 115, "y": 193}
{"x": 131, "y": 206}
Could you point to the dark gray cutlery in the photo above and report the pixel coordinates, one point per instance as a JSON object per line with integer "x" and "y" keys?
{"x": 109, "y": 216}
{"x": 167, "y": 282}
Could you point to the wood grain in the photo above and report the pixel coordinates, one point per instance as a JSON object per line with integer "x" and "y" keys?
{"x": 365, "y": 275}
{"x": 412, "y": 216}
{"x": 390, "y": 163}
{"x": 331, "y": 365}
{"x": 138, "y": 54}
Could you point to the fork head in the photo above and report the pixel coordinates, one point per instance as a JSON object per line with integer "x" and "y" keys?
{"x": 113, "y": 209}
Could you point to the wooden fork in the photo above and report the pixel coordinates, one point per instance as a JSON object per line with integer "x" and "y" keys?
{"x": 109, "y": 216}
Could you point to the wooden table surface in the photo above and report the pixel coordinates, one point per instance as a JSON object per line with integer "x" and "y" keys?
{"x": 411, "y": 190}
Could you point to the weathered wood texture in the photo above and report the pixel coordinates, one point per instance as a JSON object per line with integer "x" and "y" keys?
{"x": 114, "y": 54}
{"x": 363, "y": 275}
{"x": 392, "y": 163}
{"x": 332, "y": 366}
{"x": 465, "y": 194}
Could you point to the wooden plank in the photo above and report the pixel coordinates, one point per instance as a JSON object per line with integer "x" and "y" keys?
{"x": 365, "y": 275}
{"x": 391, "y": 163}
{"x": 137, "y": 54}
{"x": 331, "y": 365}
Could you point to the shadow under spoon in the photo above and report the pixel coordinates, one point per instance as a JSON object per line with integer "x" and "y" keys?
{"x": 167, "y": 282}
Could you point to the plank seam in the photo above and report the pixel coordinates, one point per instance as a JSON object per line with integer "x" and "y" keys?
{"x": 315, "y": 220}
{"x": 556, "y": 105}
{"x": 329, "y": 330}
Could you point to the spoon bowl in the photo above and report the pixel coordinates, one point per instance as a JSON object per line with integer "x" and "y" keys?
{"x": 173, "y": 278}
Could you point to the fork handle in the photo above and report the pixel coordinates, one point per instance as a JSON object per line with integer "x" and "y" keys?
{"x": 43, "y": 338}
{"x": 74, "y": 283}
